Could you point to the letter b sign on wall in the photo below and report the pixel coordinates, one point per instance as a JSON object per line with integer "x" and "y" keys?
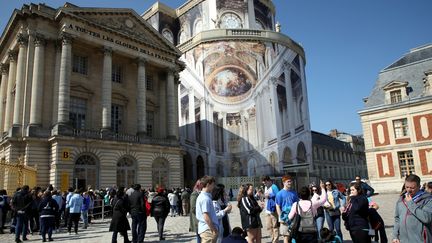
{"x": 65, "y": 154}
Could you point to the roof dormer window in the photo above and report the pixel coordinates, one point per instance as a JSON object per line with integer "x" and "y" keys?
{"x": 395, "y": 96}
{"x": 396, "y": 92}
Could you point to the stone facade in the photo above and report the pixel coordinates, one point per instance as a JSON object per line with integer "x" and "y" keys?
{"x": 88, "y": 96}
{"x": 397, "y": 121}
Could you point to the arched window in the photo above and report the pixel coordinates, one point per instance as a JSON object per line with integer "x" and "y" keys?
{"x": 126, "y": 172}
{"x": 198, "y": 26}
{"x": 168, "y": 35}
{"x": 287, "y": 157}
{"x": 86, "y": 172}
{"x": 160, "y": 168}
{"x": 182, "y": 36}
{"x": 230, "y": 21}
{"x": 301, "y": 153}
{"x": 220, "y": 169}
{"x": 273, "y": 162}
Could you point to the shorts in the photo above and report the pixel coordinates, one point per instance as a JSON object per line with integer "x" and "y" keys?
{"x": 284, "y": 229}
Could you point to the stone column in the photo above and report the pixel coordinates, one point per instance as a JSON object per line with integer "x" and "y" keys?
{"x": 3, "y": 85}
{"x": 106, "y": 89}
{"x": 211, "y": 126}
{"x": 191, "y": 123}
{"x": 64, "y": 81}
{"x": 250, "y": 16}
{"x": 289, "y": 96}
{"x": 56, "y": 82}
{"x": 275, "y": 107}
{"x": 224, "y": 132}
{"x": 9, "y": 110}
{"x": 305, "y": 106}
{"x": 37, "y": 82}
{"x": 171, "y": 105}
{"x": 176, "y": 105}
{"x": 203, "y": 124}
{"x": 20, "y": 78}
{"x": 142, "y": 98}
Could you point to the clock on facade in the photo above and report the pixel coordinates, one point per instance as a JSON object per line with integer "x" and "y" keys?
{"x": 230, "y": 21}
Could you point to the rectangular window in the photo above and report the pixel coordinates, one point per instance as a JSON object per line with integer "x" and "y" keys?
{"x": 406, "y": 163}
{"x": 400, "y": 128}
{"x": 149, "y": 82}
{"x": 395, "y": 96}
{"x": 80, "y": 64}
{"x": 116, "y": 118}
{"x": 116, "y": 74}
{"x": 77, "y": 112}
{"x": 150, "y": 123}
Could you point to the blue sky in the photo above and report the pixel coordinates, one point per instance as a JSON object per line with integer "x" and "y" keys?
{"x": 347, "y": 43}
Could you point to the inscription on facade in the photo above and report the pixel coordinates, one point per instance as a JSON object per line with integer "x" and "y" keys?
{"x": 119, "y": 42}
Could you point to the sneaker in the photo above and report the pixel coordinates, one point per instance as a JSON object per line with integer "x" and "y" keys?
{"x": 18, "y": 240}
{"x": 50, "y": 239}
{"x": 43, "y": 240}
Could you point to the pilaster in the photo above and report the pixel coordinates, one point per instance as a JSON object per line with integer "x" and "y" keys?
{"x": 106, "y": 89}
{"x": 142, "y": 98}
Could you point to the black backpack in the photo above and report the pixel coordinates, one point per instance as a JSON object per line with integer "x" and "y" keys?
{"x": 307, "y": 220}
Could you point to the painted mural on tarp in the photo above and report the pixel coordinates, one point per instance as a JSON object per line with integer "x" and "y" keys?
{"x": 230, "y": 69}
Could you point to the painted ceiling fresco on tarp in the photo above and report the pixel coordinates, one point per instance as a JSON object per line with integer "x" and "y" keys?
{"x": 230, "y": 68}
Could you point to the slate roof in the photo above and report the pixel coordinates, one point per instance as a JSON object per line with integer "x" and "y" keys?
{"x": 324, "y": 140}
{"x": 409, "y": 68}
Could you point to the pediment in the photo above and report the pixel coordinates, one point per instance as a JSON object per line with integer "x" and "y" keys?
{"x": 395, "y": 84}
{"x": 123, "y": 21}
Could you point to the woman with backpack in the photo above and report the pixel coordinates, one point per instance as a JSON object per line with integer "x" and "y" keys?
{"x": 307, "y": 209}
{"x": 48, "y": 209}
{"x": 160, "y": 208}
{"x": 356, "y": 215}
{"x": 250, "y": 213}
{"x": 333, "y": 207}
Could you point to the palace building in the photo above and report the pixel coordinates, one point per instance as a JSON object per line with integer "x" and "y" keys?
{"x": 243, "y": 106}
{"x": 397, "y": 121}
{"x": 88, "y": 97}
{"x": 104, "y": 96}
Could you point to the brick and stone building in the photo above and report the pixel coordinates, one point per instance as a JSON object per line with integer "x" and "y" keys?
{"x": 397, "y": 121}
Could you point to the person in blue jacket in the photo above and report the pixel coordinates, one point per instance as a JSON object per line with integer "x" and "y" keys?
{"x": 271, "y": 216}
{"x": 368, "y": 190}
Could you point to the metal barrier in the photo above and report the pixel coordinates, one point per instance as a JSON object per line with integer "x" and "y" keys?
{"x": 14, "y": 175}
{"x": 100, "y": 208}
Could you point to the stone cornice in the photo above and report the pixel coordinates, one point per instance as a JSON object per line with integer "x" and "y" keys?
{"x": 242, "y": 35}
{"x": 390, "y": 107}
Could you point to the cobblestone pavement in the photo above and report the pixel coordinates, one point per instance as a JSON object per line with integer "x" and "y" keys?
{"x": 176, "y": 228}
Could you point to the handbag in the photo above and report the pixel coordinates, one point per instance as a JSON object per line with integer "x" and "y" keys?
{"x": 294, "y": 226}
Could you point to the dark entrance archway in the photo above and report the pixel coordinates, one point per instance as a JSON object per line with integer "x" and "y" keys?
{"x": 188, "y": 170}
{"x": 200, "y": 167}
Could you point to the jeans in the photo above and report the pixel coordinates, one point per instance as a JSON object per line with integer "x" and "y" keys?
{"x": 21, "y": 225}
{"x": 47, "y": 225}
{"x": 334, "y": 223}
{"x": 84, "y": 217}
{"x": 139, "y": 227}
{"x": 160, "y": 221}
{"x": 173, "y": 210}
{"x": 319, "y": 224}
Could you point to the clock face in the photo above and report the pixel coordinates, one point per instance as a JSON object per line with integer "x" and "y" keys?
{"x": 230, "y": 21}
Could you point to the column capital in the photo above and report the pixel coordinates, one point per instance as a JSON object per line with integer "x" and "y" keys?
{"x": 107, "y": 51}
{"x": 273, "y": 81}
{"x": 171, "y": 70}
{"x": 39, "y": 40}
{"x": 12, "y": 55}
{"x": 4, "y": 68}
{"x": 22, "y": 39}
{"x": 141, "y": 61}
{"x": 66, "y": 39}
{"x": 286, "y": 65}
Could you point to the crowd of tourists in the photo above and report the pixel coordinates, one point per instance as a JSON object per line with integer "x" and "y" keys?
{"x": 299, "y": 216}
{"x": 289, "y": 215}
